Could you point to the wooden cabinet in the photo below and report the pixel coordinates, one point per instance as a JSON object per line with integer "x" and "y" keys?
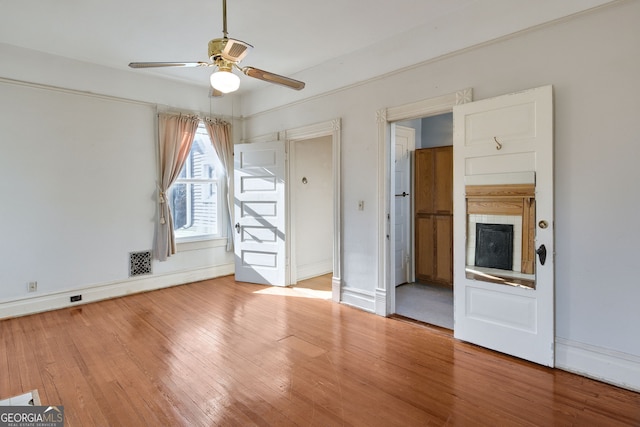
{"x": 433, "y": 214}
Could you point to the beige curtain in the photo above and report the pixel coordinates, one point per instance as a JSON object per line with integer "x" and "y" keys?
{"x": 219, "y": 132}
{"x": 175, "y": 136}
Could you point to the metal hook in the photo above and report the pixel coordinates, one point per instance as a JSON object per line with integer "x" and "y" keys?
{"x": 498, "y": 145}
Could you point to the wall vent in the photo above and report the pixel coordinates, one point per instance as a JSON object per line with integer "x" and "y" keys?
{"x": 139, "y": 263}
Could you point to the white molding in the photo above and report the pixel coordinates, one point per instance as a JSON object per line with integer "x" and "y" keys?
{"x": 313, "y": 270}
{"x": 429, "y": 107}
{"x": 313, "y": 131}
{"x": 336, "y": 285}
{"x": 602, "y": 364}
{"x": 381, "y": 302}
{"x": 268, "y": 137}
{"x": 90, "y": 294}
{"x": 384, "y": 118}
{"x": 383, "y": 212}
{"x": 358, "y": 298}
{"x": 114, "y": 98}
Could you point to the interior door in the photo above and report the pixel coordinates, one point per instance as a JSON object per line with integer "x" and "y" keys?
{"x": 259, "y": 183}
{"x": 504, "y": 144}
{"x": 404, "y": 144}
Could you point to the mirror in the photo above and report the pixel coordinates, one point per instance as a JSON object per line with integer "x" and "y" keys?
{"x": 501, "y": 233}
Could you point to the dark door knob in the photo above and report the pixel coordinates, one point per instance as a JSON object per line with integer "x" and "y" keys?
{"x": 237, "y": 227}
{"x": 542, "y": 254}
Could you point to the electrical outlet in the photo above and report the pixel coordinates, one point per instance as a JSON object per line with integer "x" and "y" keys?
{"x": 33, "y": 286}
{"x": 76, "y": 298}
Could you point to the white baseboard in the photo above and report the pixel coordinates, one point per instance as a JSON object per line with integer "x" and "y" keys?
{"x": 313, "y": 270}
{"x": 609, "y": 366}
{"x": 89, "y": 294}
{"x": 336, "y": 286}
{"x": 381, "y": 302}
{"x": 358, "y": 298}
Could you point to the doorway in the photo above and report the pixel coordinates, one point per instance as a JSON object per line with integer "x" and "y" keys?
{"x": 310, "y": 208}
{"x": 309, "y": 179}
{"x": 288, "y": 140}
{"x": 504, "y": 148}
{"x": 426, "y": 294}
{"x": 385, "y": 295}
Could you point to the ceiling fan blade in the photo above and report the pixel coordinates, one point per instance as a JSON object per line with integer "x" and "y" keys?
{"x": 168, "y": 64}
{"x": 273, "y": 78}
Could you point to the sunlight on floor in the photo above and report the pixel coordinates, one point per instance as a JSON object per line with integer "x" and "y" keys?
{"x": 295, "y": 292}
{"x": 316, "y": 287}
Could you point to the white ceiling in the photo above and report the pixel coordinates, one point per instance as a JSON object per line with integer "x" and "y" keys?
{"x": 290, "y": 37}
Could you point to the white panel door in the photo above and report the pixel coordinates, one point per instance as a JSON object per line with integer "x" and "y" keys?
{"x": 404, "y": 144}
{"x": 259, "y": 185}
{"x": 500, "y": 141}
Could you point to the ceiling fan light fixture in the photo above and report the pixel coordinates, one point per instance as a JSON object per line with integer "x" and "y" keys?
{"x": 225, "y": 81}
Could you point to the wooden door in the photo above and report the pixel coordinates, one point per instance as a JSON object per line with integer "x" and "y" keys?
{"x": 424, "y": 181}
{"x": 443, "y": 180}
{"x": 433, "y": 215}
{"x": 425, "y": 233}
{"x": 443, "y": 255}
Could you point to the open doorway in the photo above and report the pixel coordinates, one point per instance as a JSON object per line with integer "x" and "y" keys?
{"x": 313, "y": 207}
{"x": 311, "y": 211}
{"x": 325, "y": 133}
{"x": 425, "y": 292}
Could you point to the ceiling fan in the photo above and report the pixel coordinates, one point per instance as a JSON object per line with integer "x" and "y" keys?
{"x": 225, "y": 54}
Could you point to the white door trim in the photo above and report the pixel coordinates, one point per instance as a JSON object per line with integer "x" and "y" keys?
{"x": 385, "y": 303}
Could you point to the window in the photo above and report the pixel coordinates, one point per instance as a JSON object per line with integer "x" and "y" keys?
{"x": 195, "y": 200}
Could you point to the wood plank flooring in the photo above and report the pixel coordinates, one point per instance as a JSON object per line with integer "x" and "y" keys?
{"x": 226, "y": 353}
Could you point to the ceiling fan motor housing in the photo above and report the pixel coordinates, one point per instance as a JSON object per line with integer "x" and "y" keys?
{"x": 230, "y": 49}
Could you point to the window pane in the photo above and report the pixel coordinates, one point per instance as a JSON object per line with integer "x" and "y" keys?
{"x": 193, "y": 198}
{"x": 178, "y": 205}
{"x": 200, "y": 163}
{"x": 194, "y": 208}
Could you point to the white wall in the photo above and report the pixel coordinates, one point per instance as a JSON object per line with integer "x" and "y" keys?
{"x": 592, "y": 62}
{"x": 437, "y": 131}
{"x": 78, "y": 184}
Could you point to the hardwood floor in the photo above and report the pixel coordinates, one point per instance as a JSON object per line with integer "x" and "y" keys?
{"x": 220, "y": 352}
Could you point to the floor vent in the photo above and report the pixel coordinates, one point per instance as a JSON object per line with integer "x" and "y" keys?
{"x": 139, "y": 263}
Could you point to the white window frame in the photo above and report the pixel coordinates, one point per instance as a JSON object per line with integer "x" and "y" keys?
{"x": 218, "y": 181}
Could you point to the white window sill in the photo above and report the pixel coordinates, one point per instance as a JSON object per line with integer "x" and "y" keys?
{"x": 195, "y": 245}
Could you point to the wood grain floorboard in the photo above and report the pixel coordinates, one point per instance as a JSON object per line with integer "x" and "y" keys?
{"x": 221, "y": 352}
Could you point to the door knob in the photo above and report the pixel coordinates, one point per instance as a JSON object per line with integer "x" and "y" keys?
{"x": 542, "y": 254}
{"x": 237, "y": 227}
